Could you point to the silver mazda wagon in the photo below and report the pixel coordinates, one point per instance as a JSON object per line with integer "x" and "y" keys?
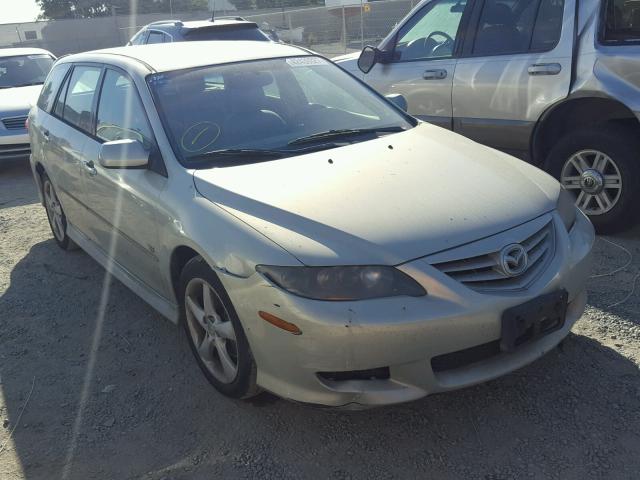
{"x": 313, "y": 239}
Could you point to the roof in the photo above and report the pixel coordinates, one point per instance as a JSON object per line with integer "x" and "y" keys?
{"x": 13, "y": 52}
{"x": 163, "y": 57}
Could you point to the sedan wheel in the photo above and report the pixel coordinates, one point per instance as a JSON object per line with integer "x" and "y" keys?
{"x": 595, "y": 179}
{"x": 211, "y": 330}
{"x": 55, "y": 215}
{"x": 215, "y": 334}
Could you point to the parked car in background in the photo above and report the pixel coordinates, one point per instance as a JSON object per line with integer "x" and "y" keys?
{"x": 554, "y": 82}
{"x": 224, "y": 28}
{"x": 314, "y": 240}
{"x": 22, "y": 73}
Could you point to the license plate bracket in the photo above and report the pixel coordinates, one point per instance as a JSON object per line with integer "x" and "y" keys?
{"x": 534, "y": 319}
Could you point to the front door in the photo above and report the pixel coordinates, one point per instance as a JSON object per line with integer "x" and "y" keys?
{"x": 422, "y": 62}
{"x": 66, "y": 134}
{"x": 122, "y": 203}
{"x": 516, "y": 63}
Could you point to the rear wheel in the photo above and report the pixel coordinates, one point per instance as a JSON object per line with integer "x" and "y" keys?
{"x": 214, "y": 331}
{"x": 55, "y": 214}
{"x": 601, "y": 167}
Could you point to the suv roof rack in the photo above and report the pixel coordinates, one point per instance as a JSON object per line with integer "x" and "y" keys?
{"x": 168, "y": 22}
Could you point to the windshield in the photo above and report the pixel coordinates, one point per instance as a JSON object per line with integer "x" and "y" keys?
{"x": 23, "y": 70}
{"x": 282, "y": 105}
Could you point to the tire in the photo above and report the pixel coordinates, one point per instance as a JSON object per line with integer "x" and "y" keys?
{"x": 210, "y": 327}
{"x": 621, "y": 149}
{"x": 55, "y": 215}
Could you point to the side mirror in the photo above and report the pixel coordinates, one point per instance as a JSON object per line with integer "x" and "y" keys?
{"x": 398, "y": 100}
{"x": 368, "y": 58}
{"x": 125, "y": 153}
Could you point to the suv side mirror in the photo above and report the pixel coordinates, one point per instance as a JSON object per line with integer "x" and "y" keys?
{"x": 125, "y": 153}
{"x": 398, "y": 100}
{"x": 368, "y": 58}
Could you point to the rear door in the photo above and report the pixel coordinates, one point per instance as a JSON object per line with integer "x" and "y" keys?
{"x": 66, "y": 133}
{"x": 516, "y": 63}
{"x": 123, "y": 203}
{"x": 423, "y": 60}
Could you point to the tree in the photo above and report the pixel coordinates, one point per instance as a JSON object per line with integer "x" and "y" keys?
{"x": 55, "y": 9}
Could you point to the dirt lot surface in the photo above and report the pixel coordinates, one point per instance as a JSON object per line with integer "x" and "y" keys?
{"x": 119, "y": 396}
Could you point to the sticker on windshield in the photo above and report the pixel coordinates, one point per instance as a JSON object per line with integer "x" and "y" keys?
{"x": 200, "y": 136}
{"x": 305, "y": 61}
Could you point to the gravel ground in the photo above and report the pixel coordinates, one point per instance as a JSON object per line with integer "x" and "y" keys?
{"x": 143, "y": 410}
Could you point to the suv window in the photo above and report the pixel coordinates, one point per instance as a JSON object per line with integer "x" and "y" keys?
{"x": 78, "y": 101}
{"x": 432, "y": 32}
{"x": 51, "y": 86}
{"x": 621, "y": 21}
{"x": 518, "y": 27}
{"x": 138, "y": 38}
{"x": 157, "y": 37}
{"x": 121, "y": 114}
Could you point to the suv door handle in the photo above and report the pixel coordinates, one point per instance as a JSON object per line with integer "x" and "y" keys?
{"x": 45, "y": 134}
{"x": 90, "y": 167}
{"x": 437, "y": 74}
{"x": 545, "y": 69}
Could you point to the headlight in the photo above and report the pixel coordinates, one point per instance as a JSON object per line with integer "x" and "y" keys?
{"x": 566, "y": 208}
{"x": 343, "y": 283}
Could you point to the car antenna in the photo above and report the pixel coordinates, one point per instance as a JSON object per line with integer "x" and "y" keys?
{"x": 213, "y": 11}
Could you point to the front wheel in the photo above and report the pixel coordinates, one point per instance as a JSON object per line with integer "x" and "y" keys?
{"x": 214, "y": 331}
{"x": 601, "y": 167}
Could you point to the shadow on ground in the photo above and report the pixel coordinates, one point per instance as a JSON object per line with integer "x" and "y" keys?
{"x": 150, "y": 414}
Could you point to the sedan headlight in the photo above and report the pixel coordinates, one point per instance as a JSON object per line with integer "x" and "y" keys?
{"x": 566, "y": 208}
{"x": 343, "y": 283}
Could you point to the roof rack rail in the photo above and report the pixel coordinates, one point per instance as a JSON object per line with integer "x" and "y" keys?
{"x": 168, "y": 22}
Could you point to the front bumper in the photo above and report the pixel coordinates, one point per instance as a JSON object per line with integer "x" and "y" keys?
{"x": 401, "y": 333}
{"x": 14, "y": 144}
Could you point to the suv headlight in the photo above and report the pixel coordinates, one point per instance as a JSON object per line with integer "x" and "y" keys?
{"x": 566, "y": 208}
{"x": 343, "y": 283}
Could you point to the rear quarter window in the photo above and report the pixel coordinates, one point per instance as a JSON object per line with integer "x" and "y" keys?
{"x": 620, "y": 22}
{"x": 52, "y": 85}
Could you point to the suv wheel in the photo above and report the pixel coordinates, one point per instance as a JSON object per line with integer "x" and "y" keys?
{"x": 602, "y": 169}
{"x": 214, "y": 331}
{"x": 55, "y": 214}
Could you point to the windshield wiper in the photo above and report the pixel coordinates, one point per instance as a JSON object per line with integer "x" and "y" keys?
{"x": 259, "y": 153}
{"x": 344, "y": 132}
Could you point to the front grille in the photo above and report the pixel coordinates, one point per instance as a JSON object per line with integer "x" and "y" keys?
{"x": 14, "y": 123}
{"x": 14, "y": 150}
{"x": 381, "y": 373}
{"x": 466, "y": 357}
{"x": 483, "y": 273}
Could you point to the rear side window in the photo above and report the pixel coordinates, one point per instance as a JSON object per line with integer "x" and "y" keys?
{"x": 79, "y": 97}
{"x": 51, "y": 86}
{"x": 621, "y": 21}
{"x": 121, "y": 114}
{"x": 156, "y": 37}
{"x": 518, "y": 27}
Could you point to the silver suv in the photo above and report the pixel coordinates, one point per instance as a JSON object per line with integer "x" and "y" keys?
{"x": 169, "y": 31}
{"x": 554, "y": 82}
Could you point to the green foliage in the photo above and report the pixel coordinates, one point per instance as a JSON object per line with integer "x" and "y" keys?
{"x": 54, "y": 9}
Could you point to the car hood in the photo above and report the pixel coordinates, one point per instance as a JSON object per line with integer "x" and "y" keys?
{"x": 383, "y": 201}
{"x": 18, "y": 100}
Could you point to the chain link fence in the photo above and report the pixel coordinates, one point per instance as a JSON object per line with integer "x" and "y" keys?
{"x": 329, "y": 30}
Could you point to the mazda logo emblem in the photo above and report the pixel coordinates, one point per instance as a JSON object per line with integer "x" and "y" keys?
{"x": 514, "y": 260}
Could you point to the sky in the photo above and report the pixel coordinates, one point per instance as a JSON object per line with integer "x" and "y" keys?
{"x": 15, "y": 11}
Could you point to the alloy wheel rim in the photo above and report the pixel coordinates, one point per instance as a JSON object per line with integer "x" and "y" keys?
{"x": 54, "y": 211}
{"x": 595, "y": 180}
{"x": 211, "y": 330}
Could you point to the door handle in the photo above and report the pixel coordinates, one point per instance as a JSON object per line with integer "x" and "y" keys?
{"x": 45, "y": 134}
{"x": 437, "y": 74}
{"x": 90, "y": 167}
{"x": 545, "y": 69}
